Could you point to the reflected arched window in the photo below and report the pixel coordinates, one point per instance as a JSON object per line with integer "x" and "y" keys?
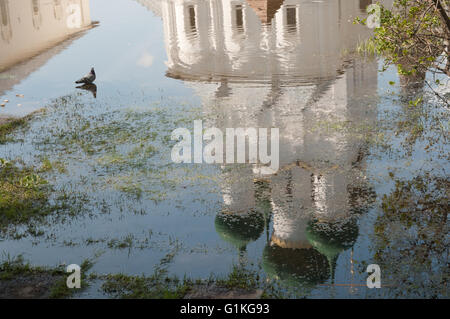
{"x": 291, "y": 19}
{"x": 4, "y": 13}
{"x": 192, "y": 18}
{"x": 239, "y": 18}
{"x": 57, "y": 9}
{"x": 5, "y": 22}
{"x": 37, "y": 21}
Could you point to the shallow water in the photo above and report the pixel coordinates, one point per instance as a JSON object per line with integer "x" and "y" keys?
{"x": 349, "y": 143}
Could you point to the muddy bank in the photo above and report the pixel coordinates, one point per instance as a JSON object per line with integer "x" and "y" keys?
{"x": 36, "y": 286}
{"x": 20, "y": 280}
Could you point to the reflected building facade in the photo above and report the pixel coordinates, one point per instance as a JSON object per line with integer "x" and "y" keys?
{"x": 289, "y": 65}
{"x": 257, "y": 40}
{"x": 30, "y": 26}
{"x": 32, "y": 31}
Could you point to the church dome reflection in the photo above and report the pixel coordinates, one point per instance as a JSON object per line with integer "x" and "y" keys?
{"x": 305, "y": 266}
{"x": 239, "y": 229}
{"x": 246, "y": 211}
{"x": 332, "y": 238}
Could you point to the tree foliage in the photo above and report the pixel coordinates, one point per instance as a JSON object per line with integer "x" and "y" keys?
{"x": 415, "y": 35}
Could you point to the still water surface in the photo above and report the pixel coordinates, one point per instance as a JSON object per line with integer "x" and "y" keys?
{"x": 311, "y": 228}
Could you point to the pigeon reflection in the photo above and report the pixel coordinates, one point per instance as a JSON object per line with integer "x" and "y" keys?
{"x": 89, "y": 87}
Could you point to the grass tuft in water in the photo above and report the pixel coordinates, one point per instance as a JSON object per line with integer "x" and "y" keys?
{"x": 9, "y": 127}
{"x": 23, "y": 194}
{"x": 156, "y": 286}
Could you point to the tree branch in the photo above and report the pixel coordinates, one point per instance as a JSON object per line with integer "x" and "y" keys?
{"x": 443, "y": 14}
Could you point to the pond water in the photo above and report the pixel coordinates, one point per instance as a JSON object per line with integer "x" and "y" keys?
{"x": 363, "y": 173}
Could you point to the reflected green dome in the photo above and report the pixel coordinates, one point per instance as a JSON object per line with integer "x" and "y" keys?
{"x": 292, "y": 267}
{"x": 332, "y": 238}
{"x": 239, "y": 229}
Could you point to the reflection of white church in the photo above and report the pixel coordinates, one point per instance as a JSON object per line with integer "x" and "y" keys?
{"x": 255, "y": 40}
{"x": 284, "y": 64}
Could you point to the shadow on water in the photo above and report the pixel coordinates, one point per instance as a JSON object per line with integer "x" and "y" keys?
{"x": 89, "y": 87}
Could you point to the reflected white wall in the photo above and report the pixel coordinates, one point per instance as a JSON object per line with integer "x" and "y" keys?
{"x": 30, "y": 26}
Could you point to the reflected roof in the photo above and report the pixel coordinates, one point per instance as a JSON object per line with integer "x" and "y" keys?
{"x": 239, "y": 229}
{"x": 265, "y": 9}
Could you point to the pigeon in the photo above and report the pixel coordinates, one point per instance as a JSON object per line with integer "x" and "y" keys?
{"x": 88, "y": 78}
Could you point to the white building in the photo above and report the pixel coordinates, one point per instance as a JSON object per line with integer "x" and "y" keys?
{"x": 33, "y": 31}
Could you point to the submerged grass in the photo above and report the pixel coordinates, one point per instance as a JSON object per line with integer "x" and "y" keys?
{"x": 48, "y": 282}
{"x": 16, "y": 275}
{"x": 23, "y": 194}
{"x": 8, "y": 127}
{"x": 367, "y": 48}
{"x": 156, "y": 286}
{"x": 240, "y": 278}
{"x": 160, "y": 286}
{"x": 13, "y": 267}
